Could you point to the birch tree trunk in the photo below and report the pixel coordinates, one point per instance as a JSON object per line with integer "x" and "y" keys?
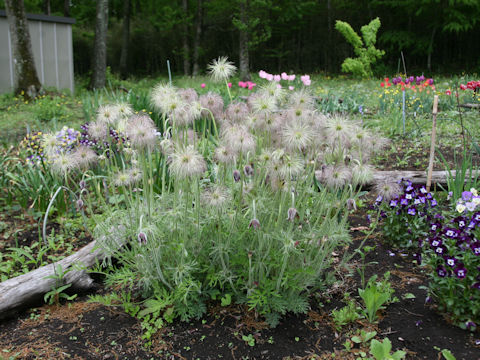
{"x": 198, "y": 36}
{"x": 26, "y": 78}
{"x": 125, "y": 38}
{"x": 100, "y": 46}
{"x": 243, "y": 48}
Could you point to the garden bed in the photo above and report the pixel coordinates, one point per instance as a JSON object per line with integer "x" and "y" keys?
{"x": 80, "y": 329}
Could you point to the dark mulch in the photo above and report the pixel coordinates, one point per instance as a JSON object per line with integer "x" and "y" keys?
{"x": 81, "y": 330}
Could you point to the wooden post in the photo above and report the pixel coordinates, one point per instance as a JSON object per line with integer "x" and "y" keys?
{"x": 432, "y": 143}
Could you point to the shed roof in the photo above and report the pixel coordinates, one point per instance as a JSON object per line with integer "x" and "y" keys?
{"x": 42, "y": 17}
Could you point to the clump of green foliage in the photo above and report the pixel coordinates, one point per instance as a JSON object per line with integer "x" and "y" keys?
{"x": 367, "y": 54}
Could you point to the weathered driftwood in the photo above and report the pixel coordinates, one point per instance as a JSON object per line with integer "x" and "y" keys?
{"x": 470, "y": 106}
{"x": 417, "y": 177}
{"x": 28, "y": 288}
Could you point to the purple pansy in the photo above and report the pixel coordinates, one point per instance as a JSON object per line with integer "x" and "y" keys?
{"x": 411, "y": 211}
{"x": 393, "y": 203}
{"x": 475, "y": 246}
{"x": 441, "y": 271}
{"x": 450, "y": 261}
{"x": 467, "y": 195}
{"x": 460, "y": 271}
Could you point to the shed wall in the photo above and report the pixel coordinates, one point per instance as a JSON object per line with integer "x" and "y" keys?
{"x": 52, "y": 52}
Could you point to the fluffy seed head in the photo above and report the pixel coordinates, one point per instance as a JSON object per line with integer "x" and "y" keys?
{"x": 141, "y": 132}
{"x": 333, "y": 176}
{"x": 297, "y": 135}
{"x": 362, "y": 174}
{"x": 221, "y": 69}
{"x": 187, "y": 162}
{"x": 212, "y": 102}
{"x": 224, "y": 155}
{"x": 236, "y": 112}
{"x": 188, "y": 95}
{"x": 302, "y": 99}
{"x": 160, "y": 96}
{"x": 107, "y": 114}
{"x": 387, "y": 189}
{"x": 217, "y": 197}
{"x": 98, "y": 130}
{"x": 83, "y": 157}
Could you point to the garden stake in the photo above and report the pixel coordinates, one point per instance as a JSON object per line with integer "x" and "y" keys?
{"x": 169, "y": 72}
{"x": 403, "y": 111}
{"x": 432, "y": 144}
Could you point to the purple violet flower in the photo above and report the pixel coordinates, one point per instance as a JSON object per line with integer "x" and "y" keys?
{"x": 411, "y": 211}
{"x": 460, "y": 271}
{"x": 441, "y": 271}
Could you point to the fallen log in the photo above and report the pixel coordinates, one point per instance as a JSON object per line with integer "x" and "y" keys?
{"x": 470, "y": 106}
{"x": 415, "y": 176}
{"x": 28, "y": 288}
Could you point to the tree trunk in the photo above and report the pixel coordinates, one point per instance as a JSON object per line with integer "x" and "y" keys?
{"x": 243, "y": 48}
{"x": 66, "y": 8}
{"x": 125, "y": 38}
{"x": 198, "y": 36}
{"x": 100, "y": 46}
{"x": 186, "y": 48}
{"x": 430, "y": 50}
{"x": 26, "y": 78}
{"x": 46, "y": 7}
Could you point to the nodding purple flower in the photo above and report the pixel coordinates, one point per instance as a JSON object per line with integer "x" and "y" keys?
{"x": 450, "y": 261}
{"x": 467, "y": 195}
{"x": 248, "y": 170}
{"x": 441, "y": 271}
{"x": 475, "y": 246}
{"x": 82, "y": 184}
{"x": 351, "y": 204}
{"x": 79, "y": 204}
{"x": 292, "y": 214}
{"x": 142, "y": 238}
{"x": 470, "y": 325}
{"x": 460, "y": 271}
{"x": 393, "y": 203}
{"x": 411, "y": 211}
{"x": 255, "y": 224}
{"x": 236, "y": 175}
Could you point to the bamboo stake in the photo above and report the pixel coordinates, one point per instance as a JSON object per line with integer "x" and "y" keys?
{"x": 432, "y": 143}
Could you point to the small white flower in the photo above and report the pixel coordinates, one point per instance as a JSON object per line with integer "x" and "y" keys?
{"x": 474, "y": 191}
{"x": 460, "y": 208}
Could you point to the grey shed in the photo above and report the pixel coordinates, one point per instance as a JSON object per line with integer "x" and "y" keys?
{"x": 51, "y": 38}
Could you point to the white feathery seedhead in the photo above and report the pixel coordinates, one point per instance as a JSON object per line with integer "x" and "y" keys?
{"x": 264, "y": 104}
{"x": 387, "y": 189}
{"x": 297, "y": 135}
{"x": 63, "y": 163}
{"x": 124, "y": 110}
{"x": 236, "y": 112}
{"x": 338, "y": 132}
{"x": 217, "y": 196}
{"x": 361, "y": 174}
{"x": 83, "y": 157}
{"x": 107, "y": 114}
{"x": 98, "y": 130}
{"x": 221, "y": 69}
{"x": 212, "y": 102}
{"x": 160, "y": 96}
{"x": 187, "y": 162}
{"x": 188, "y": 95}
{"x": 302, "y": 99}
{"x": 141, "y": 132}
{"x": 224, "y": 155}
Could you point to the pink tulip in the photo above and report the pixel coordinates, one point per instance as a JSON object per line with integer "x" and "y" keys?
{"x": 269, "y": 77}
{"x": 242, "y": 84}
{"x": 229, "y": 85}
{"x": 279, "y": 86}
{"x": 251, "y": 85}
{"x": 291, "y": 88}
{"x": 284, "y": 76}
{"x": 277, "y": 78}
{"x": 262, "y": 74}
{"x": 448, "y": 92}
{"x": 291, "y": 77}
{"x": 307, "y": 82}
{"x": 203, "y": 85}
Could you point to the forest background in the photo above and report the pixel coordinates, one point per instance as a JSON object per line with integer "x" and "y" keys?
{"x": 439, "y": 36}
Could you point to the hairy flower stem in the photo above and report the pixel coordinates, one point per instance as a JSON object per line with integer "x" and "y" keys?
{"x": 228, "y": 89}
